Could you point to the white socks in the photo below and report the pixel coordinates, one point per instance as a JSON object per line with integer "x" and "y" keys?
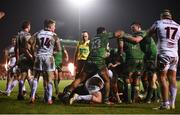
{"x": 34, "y": 88}
{"x": 84, "y": 97}
{"x": 173, "y": 91}
{"x": 50, "y": 90}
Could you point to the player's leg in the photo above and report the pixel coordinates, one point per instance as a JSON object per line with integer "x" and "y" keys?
{"x": 30, "y": 78}
{"x": 156, "y": 88}
{"x": 145, "y": 82}
{"x": 14, "y": 83}
{"x": 34, "y": 86}
{"x": 105, "y": 76}
{"x": 38, "y": 63}
{"x": 7, "y": 80}
{"x": 163, "y": 65}
{"x": 151, "y": 87}
{"x": 164, "y": 88}
{"x": 9, "y": 84}
{"x": 173, "y": 87}
{"x": 50, "y": 75}
{"x": 68, "y": 90}
{"x": 137, "y": 78}
{"x": 95, "y": 97}
{"x": 136, "y": 87}
{"x": 114, "y": 88}
{"x": 127, "y": 93}
{"x": 56, "y": 81}
{"x": 23, "y": 75}
{"x": 89, "y": 69}
{"x": 128, "y": 73}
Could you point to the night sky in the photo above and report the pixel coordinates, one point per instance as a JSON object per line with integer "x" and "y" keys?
{"x": 112, "y": 14}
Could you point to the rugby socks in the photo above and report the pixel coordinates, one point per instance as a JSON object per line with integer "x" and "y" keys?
{"x": 107, "y": 91}
{"x": 14, "y": 83}
{"x": 158, "y": 91}
{"x": 24, "y": 88}
{"x": 84, "y": 97}
{"x": 45, "y": 94}
{"x": 56, "y": 83}
{"x": 30, "y": 81}
{"x": 145, "y": 85}
{"x": 155, "y": 94}
{"x": 128, "y": 92}
{"x": 50, "y": 87}
{"x": 135, "y": 92}
{"x": 9, "y": 88}
{"x": 34, "y": 88}
{"x": 173, "y": 91}
{"x": 149, "y": 94}
{"x": 21, "y": 84}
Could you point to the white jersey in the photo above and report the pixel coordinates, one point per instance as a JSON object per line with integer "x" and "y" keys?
{"x": 45, "y": 42}
{"x": 11, "y": 52}
{"x": 168, "y": 33}
{"x": 11, "y": 55}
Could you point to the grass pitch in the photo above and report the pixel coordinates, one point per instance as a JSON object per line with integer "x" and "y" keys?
{"x": 10, "y": 105}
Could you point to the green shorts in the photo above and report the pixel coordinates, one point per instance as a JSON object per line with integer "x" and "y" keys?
{"x": 99, "y": 62}
{"x": 132, "y": 66}
{"x": 150, "y": 66}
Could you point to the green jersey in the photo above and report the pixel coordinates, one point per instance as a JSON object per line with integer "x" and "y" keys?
{"x": 99, "y": 45}
{"x": 133, "y": 50}
{"x": 148, "y": 46}
{"x": 59, "y": 57}
{"x": 99, "y": 48}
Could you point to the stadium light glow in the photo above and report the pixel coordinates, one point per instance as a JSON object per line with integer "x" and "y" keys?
{"x": 80, "y": 3}
{"x": 71, "y": 68}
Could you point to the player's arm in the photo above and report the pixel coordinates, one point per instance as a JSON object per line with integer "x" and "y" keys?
{"x": 134, "y": 39}
{"x": 32, "y": 42}
{"x": 152, "y": 30}
{"x": 6, "y": 55}
{"x": 57, "y": 44}
{"x": 76, "y": 54}
{"x": 116, "y": 34}
{"x": 65, "y": 54}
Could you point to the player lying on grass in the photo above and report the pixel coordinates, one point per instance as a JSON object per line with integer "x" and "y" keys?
{"x": 91, "y": 91}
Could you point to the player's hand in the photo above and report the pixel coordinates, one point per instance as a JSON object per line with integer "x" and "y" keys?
{"x": 2, "y": 14}
{"x": 119, "y": 33}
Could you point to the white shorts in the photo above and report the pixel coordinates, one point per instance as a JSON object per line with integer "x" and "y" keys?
{"x": 12, "y": 62}
{"x": 11, "y": 65}
{"x": 165, "y": 62}
{"x": 91, "y": 85}
{"x": 44, "y": 63}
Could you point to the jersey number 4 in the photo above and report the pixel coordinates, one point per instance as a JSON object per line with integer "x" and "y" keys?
{"x": 171, "y": 32}
{"x": 45, "y": 42}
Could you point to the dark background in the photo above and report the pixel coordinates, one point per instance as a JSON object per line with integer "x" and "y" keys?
{"x": 113, "y": 14}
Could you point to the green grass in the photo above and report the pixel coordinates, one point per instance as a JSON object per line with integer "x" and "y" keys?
{"x": 10, "y": 105}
